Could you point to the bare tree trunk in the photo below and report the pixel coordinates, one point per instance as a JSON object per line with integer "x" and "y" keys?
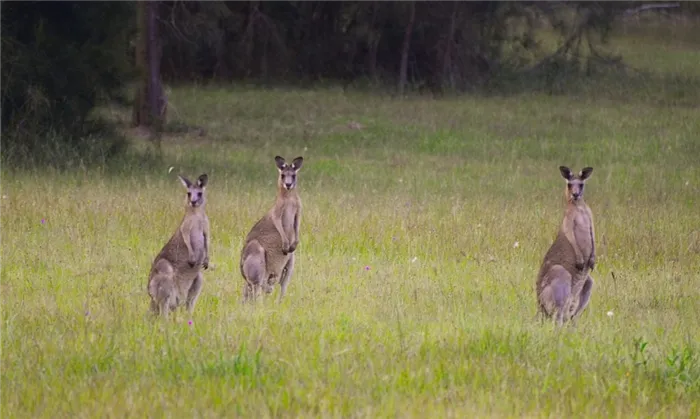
{"x": 139, "y": 116}
{"x": 373, "y": 49}
{"x": 447, "y": 73}
{"x": 375, "y": 36}
{"x": 155, "y": 52}
{"x": 248, "y": 40}
{"x": 405, "y": 48}
{"x": 150, "y": 105}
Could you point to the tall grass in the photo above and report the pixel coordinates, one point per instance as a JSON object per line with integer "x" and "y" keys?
{"x": 413, "y": 296}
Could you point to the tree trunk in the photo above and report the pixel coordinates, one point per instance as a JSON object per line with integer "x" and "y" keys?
{"x": 151, "y": 104}
{"x": 249, "y": 39}
{"x": 447, "y": 73}
{"x": 375, "y": 35}
{"x": 405, "y": 48}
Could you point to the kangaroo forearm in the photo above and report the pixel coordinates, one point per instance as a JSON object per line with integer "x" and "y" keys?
{"x": 280, "y": 230}
{"x": 296, "y": 227}
{"x": 207, "y": 238}
{"x": 570, "y": 236}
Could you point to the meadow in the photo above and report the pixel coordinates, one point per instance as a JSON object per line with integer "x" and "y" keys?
{"x": 425, "y": 221}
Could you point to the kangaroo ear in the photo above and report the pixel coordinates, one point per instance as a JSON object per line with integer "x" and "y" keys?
{"x": 202, "y": 181}
{"x": 185, "y": 182}
{"x": 296, "y": 164}
{"x": 585, "y": 173}
{"x": 280, "y": 162}
{"x": 565, "y": 172}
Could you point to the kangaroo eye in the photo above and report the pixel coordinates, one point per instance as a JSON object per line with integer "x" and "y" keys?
{"x": 189, "y": 193}
{"x": 199, "y": 194}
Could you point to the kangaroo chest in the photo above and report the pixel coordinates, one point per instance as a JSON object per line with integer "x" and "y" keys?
{"x": 288, "y": 213}
{"x": 194, "y": 227}
{"x": 583, "y": 232}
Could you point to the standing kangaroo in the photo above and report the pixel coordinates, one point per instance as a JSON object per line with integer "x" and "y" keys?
{"x": 268, "y": 253}
{"x": 563, "y": 284}
{"x": 176, "y": 273}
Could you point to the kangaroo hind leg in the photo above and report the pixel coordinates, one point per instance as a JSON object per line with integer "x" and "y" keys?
{"x": 162, "y": 289}
{"x": 584, "y": 296}
{"x": 253, "y": 270}
{"x": 556, "y": 294}
{"x": 286, "y": 276}
{"x": 194, "y": 292}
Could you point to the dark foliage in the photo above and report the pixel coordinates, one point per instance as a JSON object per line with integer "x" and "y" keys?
{"x": 59, "y": 60}
{"x": 453, "y": 45}
{"x": 62, "y": 59}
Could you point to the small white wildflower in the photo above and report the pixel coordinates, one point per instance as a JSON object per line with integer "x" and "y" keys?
{"x": 170, "y": 169}
{"x": 4, "y": 197}
{"x": 516, "y": 245}
{"x": 400, "y": 180}
{"x": 610, "y": 313}
{"x": 306, "y": 148}
{"x": 687, "y": 183}
{"x": 415, "y": 258}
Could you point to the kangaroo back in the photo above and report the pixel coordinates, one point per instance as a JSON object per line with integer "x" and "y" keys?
{"x": 561, "y": 253}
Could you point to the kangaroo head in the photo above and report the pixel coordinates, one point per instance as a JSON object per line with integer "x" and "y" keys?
{"x": 575, "y": 183}
{"x": 288, "y": 172}
{"x": 195, "y": 191}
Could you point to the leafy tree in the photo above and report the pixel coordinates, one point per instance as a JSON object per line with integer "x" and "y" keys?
{"x": 454, "y": 45}
{"x": 59, "y": 61}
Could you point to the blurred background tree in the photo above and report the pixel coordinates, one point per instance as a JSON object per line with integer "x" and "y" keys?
{"x": 59, "y": 61}
{"x": 150, "y": 102}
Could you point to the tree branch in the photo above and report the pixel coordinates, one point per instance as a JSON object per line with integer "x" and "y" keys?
{"x": 647, "y": 7}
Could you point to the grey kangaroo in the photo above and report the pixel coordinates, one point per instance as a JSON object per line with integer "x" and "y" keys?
{"x": 268, "y": 253}
{"x": 176, "y": 273}
{"x": 564, "y": 284}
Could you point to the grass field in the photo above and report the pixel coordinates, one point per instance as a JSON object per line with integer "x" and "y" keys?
{"x": 413, "y": 293}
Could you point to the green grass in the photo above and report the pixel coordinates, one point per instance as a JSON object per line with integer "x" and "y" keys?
{"x": 410, "y": 297}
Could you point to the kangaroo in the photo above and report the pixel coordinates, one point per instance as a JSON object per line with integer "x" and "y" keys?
{"x": 564, "y": 284}
{"x": 176, "y": 273}
{"x": 268, "y": 253}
